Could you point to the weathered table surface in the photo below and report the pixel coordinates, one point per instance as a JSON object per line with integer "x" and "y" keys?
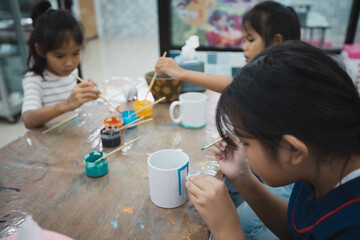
{"x": 43, "y": 175}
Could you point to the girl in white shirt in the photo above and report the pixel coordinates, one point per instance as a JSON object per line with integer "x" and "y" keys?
{"x": 50, "y": 88}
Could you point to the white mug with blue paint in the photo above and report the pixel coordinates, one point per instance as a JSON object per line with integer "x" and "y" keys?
{"x": 192, "y": 112}
{"x": 167, "y": 170}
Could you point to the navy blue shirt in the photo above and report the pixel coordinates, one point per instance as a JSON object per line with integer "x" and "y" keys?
{"x": 336, "y": 215}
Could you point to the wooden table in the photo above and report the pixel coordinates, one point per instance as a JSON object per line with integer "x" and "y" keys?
{"x": 43, "y": 175}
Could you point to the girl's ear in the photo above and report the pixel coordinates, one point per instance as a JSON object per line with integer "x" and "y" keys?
{"x": 278, "y": 38}
{"x": 38, "y": 50}
{"x": 298, "y": 149}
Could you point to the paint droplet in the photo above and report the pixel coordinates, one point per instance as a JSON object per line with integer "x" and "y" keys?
{"x": 202, "y": 164}
{"x": 5, "y": 166}
{"x": 60, "y": 131}
{"x": 117, "y": 216}
{"x": 171, "y": 216}
{"x": 114, "y": 223}
{"x": 19, "y": 182}
{"x": 77, "y": 163}
{"x": 76, "y": 223}
{"x": 142, "y": 226}
{"x": 128, "y": 210}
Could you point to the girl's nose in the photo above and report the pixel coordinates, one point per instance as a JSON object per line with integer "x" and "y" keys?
{"x": 69, "y": 62}
{"x": 245, "y": 46}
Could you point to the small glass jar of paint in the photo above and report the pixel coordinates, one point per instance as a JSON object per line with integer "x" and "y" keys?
{"x": 113, "y": 121}
{"x": 93, "y": 168}
{"x": 110, "y": 137}
{"x": 139, "y": 104}
{"x": 127, "y": 118}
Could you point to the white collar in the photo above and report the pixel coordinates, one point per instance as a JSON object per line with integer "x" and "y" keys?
{"x": 352, "y": 175}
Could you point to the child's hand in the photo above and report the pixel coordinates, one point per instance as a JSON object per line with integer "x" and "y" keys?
{"x": 167, "y": 65}
{"x": 83, "y": 92}
{"x": 91, "y": 82}
{"x": 232, "y": 163}
{"x": 211, "y": 199}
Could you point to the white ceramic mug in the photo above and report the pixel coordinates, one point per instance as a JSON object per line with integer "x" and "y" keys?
{"x": 192, "y": 110}
{"x": 167, "y": 171}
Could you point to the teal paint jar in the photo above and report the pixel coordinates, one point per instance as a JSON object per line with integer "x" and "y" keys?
{"x": 95, "y": 169}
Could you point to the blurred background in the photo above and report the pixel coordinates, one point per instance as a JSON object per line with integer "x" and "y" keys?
{"x": 126, "y": 37}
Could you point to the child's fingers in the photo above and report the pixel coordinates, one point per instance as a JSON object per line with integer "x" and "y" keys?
{"x": 88, "y": 89}
{"x": 87, "y": 84}
{"x": 193, "y": 189}
{"x": 87, "y": 99}
{"x": 92, "y": 82}
{"x": 88, "y": 95}
{"x": 159, "y": 68}
{"x": 223, "y": 145}
{"x": 216, "y": 150}
{"x": 201, "y": 181}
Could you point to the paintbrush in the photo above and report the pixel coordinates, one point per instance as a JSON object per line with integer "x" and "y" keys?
{"x": 210, "y": 144}
{"x": 123, "y": 146}
{"x": 127, "y": 125}
{"x": 152, "y": 80}
{"x": 159, "y": 100}
{"x": 61, "y": 123}
{"x": 135, "y": 124}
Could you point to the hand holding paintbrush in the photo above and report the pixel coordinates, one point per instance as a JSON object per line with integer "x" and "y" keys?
{"x": 112, "y": 105}
{"x": 153, "y": 80}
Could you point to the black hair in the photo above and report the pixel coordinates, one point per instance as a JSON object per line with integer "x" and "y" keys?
{"x": 271, "y": 18}
{"x": 52, "y": 28}
{"x": 293, "y": 88}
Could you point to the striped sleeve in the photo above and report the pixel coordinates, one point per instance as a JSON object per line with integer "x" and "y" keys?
{"x": 32, "y": 93}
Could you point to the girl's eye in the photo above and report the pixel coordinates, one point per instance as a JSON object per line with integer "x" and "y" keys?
{"x": 58, "y": 56}
{"x": 76, "y": 54}
{"x": 243, "y": 144}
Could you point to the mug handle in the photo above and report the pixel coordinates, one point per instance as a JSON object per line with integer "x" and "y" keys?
{"x": 172, "y": 107}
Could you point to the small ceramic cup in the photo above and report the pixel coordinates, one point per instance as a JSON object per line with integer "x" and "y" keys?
{"x": 127, "y": 118}
{"x": 139, "y": 104}
{"x": 113, "y": 121}
{"x": 110, "y": 137}
{"x": 95, "y": 169}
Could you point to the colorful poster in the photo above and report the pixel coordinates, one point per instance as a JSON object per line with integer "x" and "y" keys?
{"x": 216, "y": 22}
